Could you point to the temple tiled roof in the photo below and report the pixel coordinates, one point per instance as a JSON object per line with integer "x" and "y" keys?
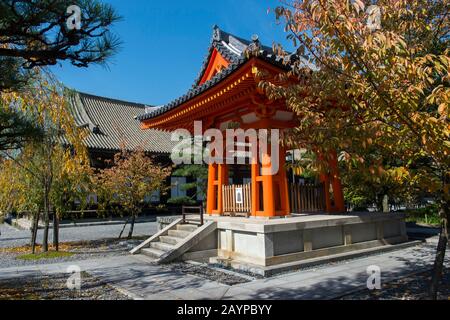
{"x": 113, "y": 124}
{"x": 233, "y": 49}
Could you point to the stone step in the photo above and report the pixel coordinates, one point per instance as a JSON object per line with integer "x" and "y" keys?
{"x": 169, "y": 240}
{"x": 179, "y": 234}
{"x": 187, "y": 227}
{"x": 195, "y": 222}
{"x": 161, "y": 246}
{"x": 152, "y": 253}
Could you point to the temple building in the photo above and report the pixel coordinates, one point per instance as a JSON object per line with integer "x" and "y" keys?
{"x": 258, "y": 217}
{"x": 112, "y": 126}
{"x": 226, "y": 95}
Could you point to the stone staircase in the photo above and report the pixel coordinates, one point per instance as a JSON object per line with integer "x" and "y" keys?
{"x": 172, "y": 242}
{"x": 168, "y": 243}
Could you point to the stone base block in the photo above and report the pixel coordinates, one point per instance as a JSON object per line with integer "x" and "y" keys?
{"x": 267, "y": 243}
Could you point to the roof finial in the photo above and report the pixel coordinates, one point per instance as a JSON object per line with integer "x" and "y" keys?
{"x": 254, "y": 47}
{"x": 216, "y": 33}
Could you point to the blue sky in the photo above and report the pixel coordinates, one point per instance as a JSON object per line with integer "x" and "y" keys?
{"x": 164, "y": 44}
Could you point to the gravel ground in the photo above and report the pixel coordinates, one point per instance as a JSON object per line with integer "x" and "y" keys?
{"x": 81, "y": 251}
{"x": 53, "y": 287}
{"x": 11, "y": 237}
{"x": 94, "y": 247}
{"x": 107, "y": 248}
{"x": 410, "y": 288}
{"x": 209, "y": 273}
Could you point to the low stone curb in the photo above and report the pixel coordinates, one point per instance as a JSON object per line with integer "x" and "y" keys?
{"x": 27, "y": 226}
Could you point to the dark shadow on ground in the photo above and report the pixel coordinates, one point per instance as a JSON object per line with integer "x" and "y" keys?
{"x": 149, "y": 279}
{"x": 335, "y": 287}
{"x": 421, "y": 232}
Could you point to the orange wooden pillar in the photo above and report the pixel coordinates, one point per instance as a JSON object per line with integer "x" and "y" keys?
{"x": 211, "y": 194}
{"x": 221, "y": 181}
{"x": 271, "y": 187}
{"x": 255, "y": 190}
{"x": 268, "y": 190}
{"x": 217, "y": 178}
{"x": 270, "y": 196}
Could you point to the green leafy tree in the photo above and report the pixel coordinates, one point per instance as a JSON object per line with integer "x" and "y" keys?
{"x": 35, "y": 34}
{"x": 41, "y": 33}
{"x": 381, "y": 180}
{"x": 15, "y": 128}
{"x": 199, "y": 175}
{"x": 393, "y": 186}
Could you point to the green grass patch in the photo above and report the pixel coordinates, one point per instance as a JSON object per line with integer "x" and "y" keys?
{"x": 428, "y": 216}
{"x": 45, "y": 255}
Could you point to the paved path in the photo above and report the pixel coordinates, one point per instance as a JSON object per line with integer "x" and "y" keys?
{"x": 134, "y": 275}
{"x": 12, "y": 237}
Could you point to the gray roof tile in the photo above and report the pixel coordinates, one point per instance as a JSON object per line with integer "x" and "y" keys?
{"x": 113, "y": 124}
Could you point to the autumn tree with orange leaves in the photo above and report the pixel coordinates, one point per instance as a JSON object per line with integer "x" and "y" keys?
{"x": 380, "y": 80}
{"x": 132, "y": 177}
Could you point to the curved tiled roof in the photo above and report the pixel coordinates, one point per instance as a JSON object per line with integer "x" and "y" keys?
{"x": 113, "y": 124}
{"x": 233, "y": 49}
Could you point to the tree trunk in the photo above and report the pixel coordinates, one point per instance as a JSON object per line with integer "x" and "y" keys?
{"x": 35, "y": 231}
{"x": 56, "y": 231}
{"x": 386, "y": 208}
{"x": 46, "y": 222}
{"x": 440, "y": 252}
{"x": 32, "y": 228}
{"x": 133, "y": 220}
{"x": 123, "y": 229}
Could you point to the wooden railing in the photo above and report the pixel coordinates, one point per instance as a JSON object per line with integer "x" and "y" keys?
{"x": 231, "y": 205}
{"x": 193, "y": 211}
{"x": 307, "y": 198}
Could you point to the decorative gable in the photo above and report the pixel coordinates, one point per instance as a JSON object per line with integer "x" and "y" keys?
{"x": 215, "y": 65}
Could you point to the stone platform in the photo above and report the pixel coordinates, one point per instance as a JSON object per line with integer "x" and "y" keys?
{"x": 257, "y": 245}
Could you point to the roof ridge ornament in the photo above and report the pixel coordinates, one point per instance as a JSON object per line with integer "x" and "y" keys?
{"x": 216, "y": 33}
{"x": 254, "y": 48}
